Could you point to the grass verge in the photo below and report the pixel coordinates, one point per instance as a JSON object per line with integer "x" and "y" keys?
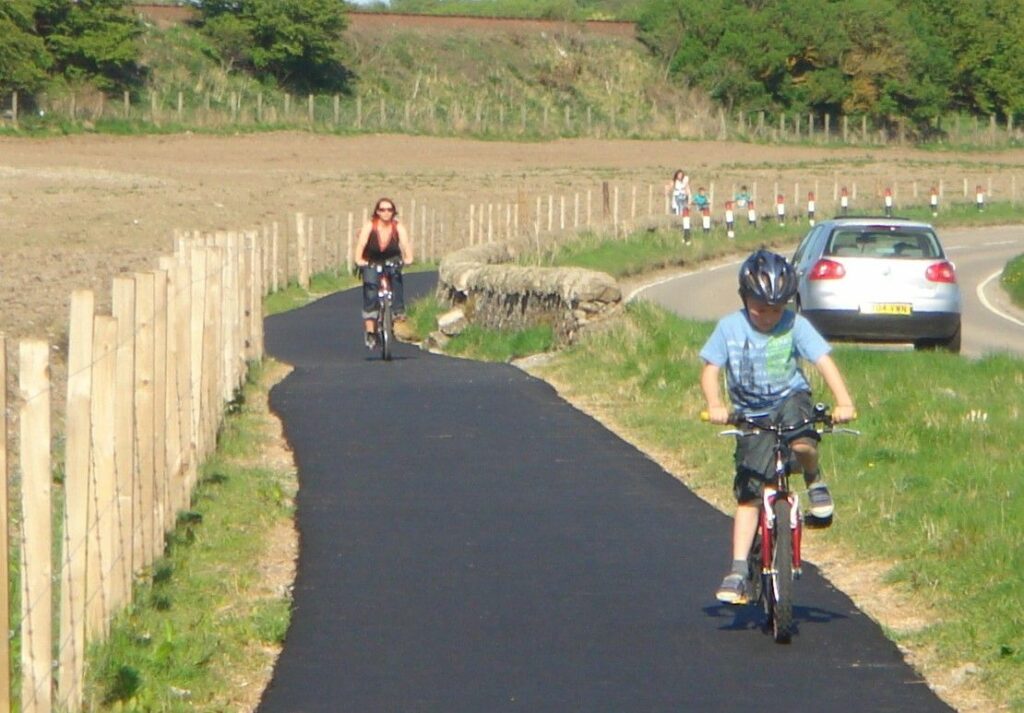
{"x": 1013, "y": 280}
{"x": 206, "y": 623}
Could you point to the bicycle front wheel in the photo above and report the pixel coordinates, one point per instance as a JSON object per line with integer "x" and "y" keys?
{"x": 386, "y": 330}
{"x": 782, "y": 573}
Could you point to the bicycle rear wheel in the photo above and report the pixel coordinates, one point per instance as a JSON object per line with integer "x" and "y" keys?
{"x": 781, "y": 595}
{"x": 386, "y": 330}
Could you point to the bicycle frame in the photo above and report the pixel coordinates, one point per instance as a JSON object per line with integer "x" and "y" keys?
{"x": 771, "y": 494}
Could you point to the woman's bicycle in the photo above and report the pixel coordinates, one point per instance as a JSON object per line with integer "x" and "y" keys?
{"x": 385, "y": 274}
{"x": 774, "y": 561}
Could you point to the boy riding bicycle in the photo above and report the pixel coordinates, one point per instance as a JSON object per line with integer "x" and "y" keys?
{"x": 758, "y": 346}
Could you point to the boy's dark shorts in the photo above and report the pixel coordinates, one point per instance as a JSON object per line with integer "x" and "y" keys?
{"x": 755, "y": 462}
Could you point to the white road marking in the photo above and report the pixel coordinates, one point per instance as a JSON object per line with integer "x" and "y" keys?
{"x": 663, "y": 280}
{"x": 988, "y": 305}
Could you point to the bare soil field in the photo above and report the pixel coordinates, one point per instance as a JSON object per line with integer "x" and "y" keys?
{"x": 76, "y": 211}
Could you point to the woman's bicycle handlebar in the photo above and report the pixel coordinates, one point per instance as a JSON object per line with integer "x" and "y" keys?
{"x": 756, "y": 423}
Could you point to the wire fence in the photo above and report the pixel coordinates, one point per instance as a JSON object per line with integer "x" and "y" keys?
{"x": 487, "y": 115}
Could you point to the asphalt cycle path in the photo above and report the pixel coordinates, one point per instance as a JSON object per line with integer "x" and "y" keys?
{"x": 471, "y": 542}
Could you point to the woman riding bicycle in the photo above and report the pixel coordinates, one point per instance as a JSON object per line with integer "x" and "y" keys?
{"x": 382, "y": 240}
{"x": 759, "y": 346}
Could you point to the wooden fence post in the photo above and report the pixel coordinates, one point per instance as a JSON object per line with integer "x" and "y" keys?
{"x": 300, "y": 246}
{"x": 37, "y": 527}
{"x": 145, "y": 363}
{"x": 75, "y": 559}
{"x": 159, "y": 410}
{"x": 123, "y": 309}
{"x": 103, "y": 483}
{"x": 175, "y": 447}
{"x": 5, "y": 545}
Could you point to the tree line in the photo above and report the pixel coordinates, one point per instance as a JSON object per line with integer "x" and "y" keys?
{"x": 906, "y": 63}
{"x": 50, "y": 44}
{"x": 892, "y": 60}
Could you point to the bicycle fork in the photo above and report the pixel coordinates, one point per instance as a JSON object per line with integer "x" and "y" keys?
{"x": 768, "y": 532}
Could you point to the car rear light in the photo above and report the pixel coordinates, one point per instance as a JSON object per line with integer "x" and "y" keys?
{"x": 941, "y": 272}
{"x": 827, "y": 270}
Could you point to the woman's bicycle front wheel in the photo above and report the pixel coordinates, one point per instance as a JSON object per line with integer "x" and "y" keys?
{"x": 386, "y": 329}
{"x": 781, "y": 594}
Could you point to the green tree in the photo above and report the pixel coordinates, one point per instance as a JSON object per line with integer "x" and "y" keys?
{"x": 984, "y": 38}
{"x": 897, "y": 66}
{"x": 23, "y": 56}
{"x": 297, "y": 42}
{"x": 92, "y": 41}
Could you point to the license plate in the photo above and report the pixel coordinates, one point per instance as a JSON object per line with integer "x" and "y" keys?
{"x": 897, "y": 308}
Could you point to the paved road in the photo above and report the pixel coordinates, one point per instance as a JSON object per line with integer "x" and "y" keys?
{"x": 991, "y": 323}
{"x": 470, "y": 542}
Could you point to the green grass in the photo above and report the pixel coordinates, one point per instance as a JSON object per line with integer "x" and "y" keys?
{"x": 653, "y": 250}
{"x": 933, "y": 483}
{"x": 293, "y": 296}
{"x": 494, "y": 345}
{"x": 476, "y": 342}
{"x": 201, "y": 617}
{"x": 1013, "y": 280}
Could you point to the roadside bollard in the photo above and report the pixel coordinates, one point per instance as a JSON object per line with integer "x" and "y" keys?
{"x": 844, "y": 201}
{"x": 888, "y": 202}
{"x": 934, "y": 201}
{"x": 780, "y": 209}
{"x": 686, "y": 224}
{"x": 751, "y": 214}
{"x": 705, "y": 219}
{"x": 810, "y": 207}
{"x": 979, "y": 198}
{"x": 730, "y": 220}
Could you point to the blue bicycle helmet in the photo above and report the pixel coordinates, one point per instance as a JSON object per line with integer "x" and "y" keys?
{"x": 768, "y": 277}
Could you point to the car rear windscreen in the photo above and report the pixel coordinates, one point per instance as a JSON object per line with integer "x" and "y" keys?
{"x": 884, "y": 242}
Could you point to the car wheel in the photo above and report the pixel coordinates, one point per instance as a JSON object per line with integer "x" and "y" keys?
{"x": 953, "y": 343}
{"x": 950, "y": 344}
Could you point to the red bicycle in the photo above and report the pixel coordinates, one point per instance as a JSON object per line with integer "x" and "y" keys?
{"x": 774, "y": 561}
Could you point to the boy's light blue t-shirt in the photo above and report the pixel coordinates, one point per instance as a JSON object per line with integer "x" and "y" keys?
{"x": 762, "y": 369}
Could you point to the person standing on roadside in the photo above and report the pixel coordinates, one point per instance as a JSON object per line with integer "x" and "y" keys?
{"x": 679, "y": 189}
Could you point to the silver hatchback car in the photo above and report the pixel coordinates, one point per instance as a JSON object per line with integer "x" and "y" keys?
{"x": 879, "y": 279}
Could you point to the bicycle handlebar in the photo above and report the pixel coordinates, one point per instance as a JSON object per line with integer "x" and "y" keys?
{"x": 822, "y": 416}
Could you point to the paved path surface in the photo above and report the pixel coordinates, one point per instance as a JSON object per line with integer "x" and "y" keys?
{"x": 470, "y": 542}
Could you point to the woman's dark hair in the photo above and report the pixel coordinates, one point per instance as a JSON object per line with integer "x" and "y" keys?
{"x": 376, "y": 208}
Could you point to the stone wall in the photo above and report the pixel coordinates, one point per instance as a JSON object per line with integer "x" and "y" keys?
{"x": 485, "y": 289}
